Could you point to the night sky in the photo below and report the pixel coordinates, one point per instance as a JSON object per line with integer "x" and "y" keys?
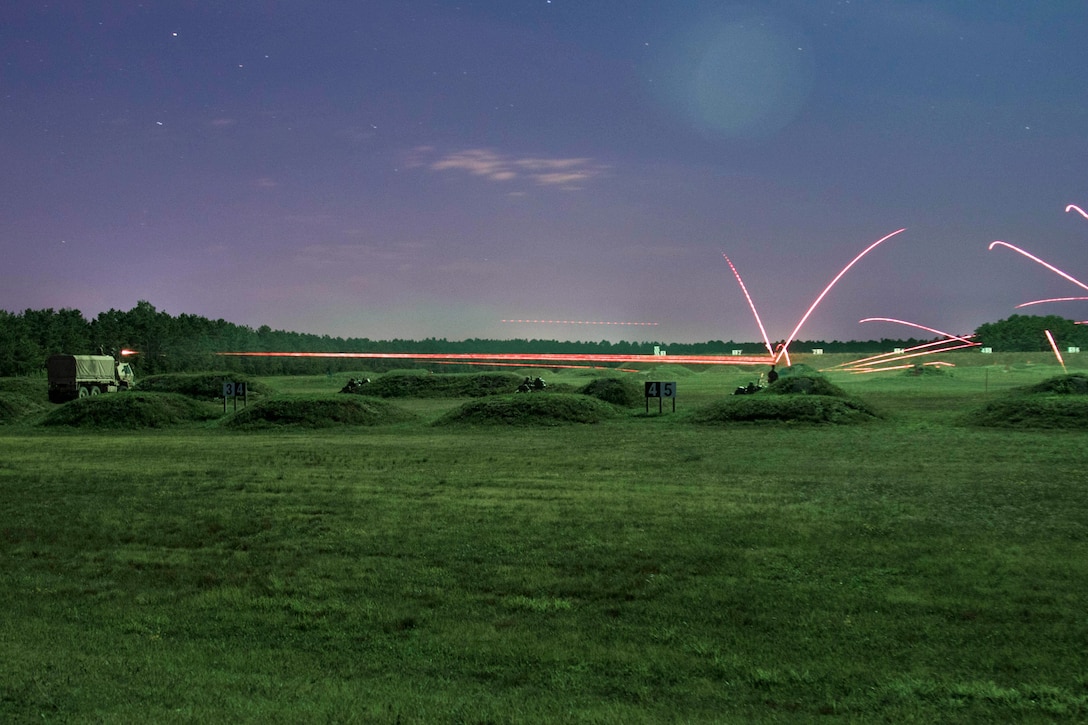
{"x": 409, "y": 169}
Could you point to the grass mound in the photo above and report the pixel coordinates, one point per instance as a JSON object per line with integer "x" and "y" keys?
{"x": 1075, "y": 384}
{"x": 421, "y": 384}
{"x": 814, "y": 408}
{"x": 33, "y": 388}
{"x": 1033, "y": 412}
{"x": 318, "y": 413}
{"x": 804, "y": 384}
{"x": 1057, "y": 402}
{"x": 928, "y": 371}
{"x": 201, "y": 386}
{"x": 801, "y": 397}
{"x": 799, "y": 369}
{"x": 623, "y": 392}
{"x": 530, "y": 409}
{"x": 14, "y": 406}
{"x": 129, "y": 410}
{"x": 671, "y": 372}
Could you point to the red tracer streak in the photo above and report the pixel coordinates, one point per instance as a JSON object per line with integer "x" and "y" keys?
{"x": 871, "y": 247}
{"x": 1033, "y": 258}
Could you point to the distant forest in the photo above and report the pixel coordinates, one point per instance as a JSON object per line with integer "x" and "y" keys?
{"x": 189, "y": 343}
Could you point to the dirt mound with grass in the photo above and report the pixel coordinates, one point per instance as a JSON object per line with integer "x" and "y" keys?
{"x": 15, "y": 406}
{"x": 1029, "y": 412}
{"x": 530, "y": 410}
{"x": 130, "y": 410}
{"x": 1059, "y": 402}
{"x": 786, "y": 408}
{"x": 926, "y": 371}
{"x": 21, "y": 397}
{"x": 315, "y": 412}
{"x": 201, "y": 386}
{"x": 798, "y": 369}
{"x": 805, "y": 398}
{"x": 623, "y": 392}
{"x": 33, "y": 388}
{"x": 804, "y": 384}
{"x": 1075, "y": 384}
{"x": 670, "y": 372}
{"x": 421, "y": 384}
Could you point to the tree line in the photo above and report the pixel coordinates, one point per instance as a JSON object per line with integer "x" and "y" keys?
{"x": 188, "y": 343}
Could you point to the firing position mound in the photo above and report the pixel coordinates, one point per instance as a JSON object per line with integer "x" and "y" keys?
{"x": 1059, "y": 402}
{"x": 19, "y": 398}
{"x": 530, "y": 410}
{"x": 14, "y": 406}
{"x": 309, "y": 413}
{"x": 793, "y": 399}
{"x": 129, "y": 410}
{"x": 422, "y": 384}
{"x": 202, "y": 386}
{"x": 622, "y": 392}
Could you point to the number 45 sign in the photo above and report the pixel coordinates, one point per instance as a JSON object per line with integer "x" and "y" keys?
{"x": 659, "y": 390}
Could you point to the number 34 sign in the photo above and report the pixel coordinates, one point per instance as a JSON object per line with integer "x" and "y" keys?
{"x": 659, "y": 390}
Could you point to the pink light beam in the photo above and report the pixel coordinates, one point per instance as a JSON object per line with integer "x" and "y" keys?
{"x": 804, "y": 318}
{"x": 1033, "y": 258}
{"x": 888, "y": 357}
{"x": 914, "y": 324}
{"x": 1054, "y": 347}
{"x": 1052, "y": 299}
{"x": 582, "y": 322}
{"x": 1074, "y": 207}
{"x": 881, "y": 357}
{"x": 544, "y": 358}
{"x": 935, "y": 363}
{"x": 766, "y": 340}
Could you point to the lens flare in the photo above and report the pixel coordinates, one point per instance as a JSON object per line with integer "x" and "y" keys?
{"x": 1033, "y": 258}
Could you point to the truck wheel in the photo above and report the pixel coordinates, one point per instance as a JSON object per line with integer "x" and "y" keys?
{"x": 83, "y": 392}
{"x": 95, "y": 390}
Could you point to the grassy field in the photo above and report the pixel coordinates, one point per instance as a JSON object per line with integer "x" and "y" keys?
{"x": 646, "y": 568}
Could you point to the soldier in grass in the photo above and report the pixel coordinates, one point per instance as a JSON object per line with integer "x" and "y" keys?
{"x": 772, "y": 375}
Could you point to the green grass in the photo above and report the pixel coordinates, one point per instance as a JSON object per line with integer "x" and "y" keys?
{"x": 202, "y": 386}
{"x": 131, "y": 409}
{"x": 619, "y": 391}
{"x": 421, "y": 384}
{"x": 317, "y": 412}
{"x": 530, "y": 409}
{"x": 641, "y": 569}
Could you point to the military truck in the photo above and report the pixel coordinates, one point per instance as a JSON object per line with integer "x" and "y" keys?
{"x": 77, "y": 376}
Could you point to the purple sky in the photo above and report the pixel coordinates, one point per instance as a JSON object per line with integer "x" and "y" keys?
{"x": 412, "y": 169}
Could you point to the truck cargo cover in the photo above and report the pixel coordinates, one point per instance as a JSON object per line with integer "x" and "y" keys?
{"x": 81, "y": 367}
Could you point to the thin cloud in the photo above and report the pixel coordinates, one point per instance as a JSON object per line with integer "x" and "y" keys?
{"x": 564, "y": 173}
{"x": 349, "y": 256}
